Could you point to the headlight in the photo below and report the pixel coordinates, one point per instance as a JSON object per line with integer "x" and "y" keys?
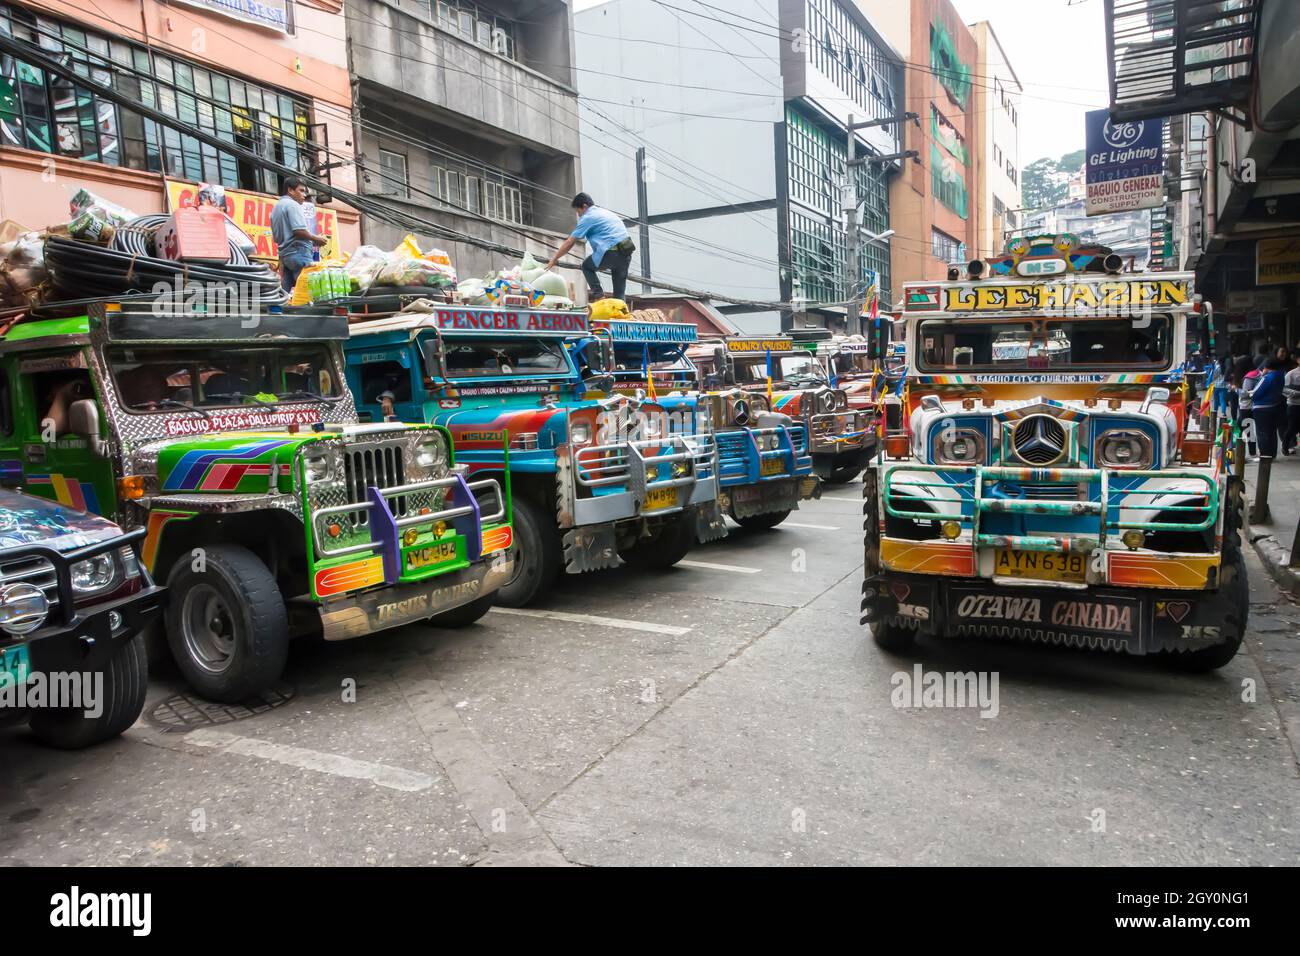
{"x": 23, "y": 608}
{"x": 431, "y": 452}
{"x": 580, "y": 432}
{"x": 959, "y": 446}
{"x": 318, "y": 463}
{"x": 94, "y": 574}
{"x": 841, "y": 400}
{"x": 1123, "y": 448}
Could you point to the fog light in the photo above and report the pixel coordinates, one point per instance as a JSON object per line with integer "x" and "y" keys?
{"x": 410, "y": 536}
{"x": 950, "y": 529}
{"x": 334, "y": 530}
{"x": 114, "y": 620}
{"x": 439, "y": 528}
{"x": 1133, "y": 539}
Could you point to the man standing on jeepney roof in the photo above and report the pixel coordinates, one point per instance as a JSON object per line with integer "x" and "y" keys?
{"x": 609, "y": 246}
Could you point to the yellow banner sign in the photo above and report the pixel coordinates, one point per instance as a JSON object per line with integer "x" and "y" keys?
{"x": 783, "y": 344}
{"x": 252, "y": 213}
{"x": 1277, "y": 261}
{"x": 1073, "y": 297}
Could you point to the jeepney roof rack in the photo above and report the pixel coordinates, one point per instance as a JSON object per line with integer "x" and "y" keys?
{"x": 138, "y": 319}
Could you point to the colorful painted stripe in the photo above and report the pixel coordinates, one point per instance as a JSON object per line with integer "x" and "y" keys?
{"x": 193, "y": 465}
{"x": 69, "y": 492}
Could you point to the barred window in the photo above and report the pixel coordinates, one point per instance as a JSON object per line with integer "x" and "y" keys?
{"x": 55, "y": 115}
{"x": 849, "y": 56}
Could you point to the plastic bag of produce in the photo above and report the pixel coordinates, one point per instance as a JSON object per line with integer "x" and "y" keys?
{"x": 557, "y": 302}
{"x": 406, "y": 271}
{"x": 473, "y": 292}
{"x": 364, "y": 265}
{"x": 551, "y": 283}
{"x": 609, "y": 309}
{"x": 94, "y": 218}
{"x": 22, "y": 269}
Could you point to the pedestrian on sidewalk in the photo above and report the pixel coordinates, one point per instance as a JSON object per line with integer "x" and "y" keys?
{"x": 1245, "y": 414}
{"x": 609, "y": 246}
{"x": 1291, "y": 389}
{"x": 1266, "y": 407}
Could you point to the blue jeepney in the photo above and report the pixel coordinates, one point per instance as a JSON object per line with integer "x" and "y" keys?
{"x": 764, "y": 465}
{"x": 596, "y": 476}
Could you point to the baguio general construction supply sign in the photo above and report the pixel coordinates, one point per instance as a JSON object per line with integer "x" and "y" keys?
{"x": 1126, "y": 164}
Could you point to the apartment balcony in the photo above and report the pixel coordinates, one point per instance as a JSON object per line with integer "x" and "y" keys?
{"x": 503, "y": 71}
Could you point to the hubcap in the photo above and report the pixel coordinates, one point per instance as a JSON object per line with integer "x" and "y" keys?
{"x": 208, "y": 628}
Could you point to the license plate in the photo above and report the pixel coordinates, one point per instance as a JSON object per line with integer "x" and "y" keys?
{"x": 660, "y": 498}
{"x": 1041, "y": 565}
{"x": 15, "y": 666}
{"x": 436, "y": 554}
{"x": 773, "y": 466}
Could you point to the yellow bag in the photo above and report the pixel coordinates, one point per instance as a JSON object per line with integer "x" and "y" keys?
{"x": 606, "y": 309}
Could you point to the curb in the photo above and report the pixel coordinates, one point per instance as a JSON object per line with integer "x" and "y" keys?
{"x": 1276, "y": 558}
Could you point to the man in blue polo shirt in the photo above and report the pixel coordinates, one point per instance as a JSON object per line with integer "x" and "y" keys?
{"x": 292, "y": 233}
{"x": 608, "y": 244}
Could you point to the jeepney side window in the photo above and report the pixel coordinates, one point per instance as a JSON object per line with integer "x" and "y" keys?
{"x": 55, "y": 392}
{"x": 380, "y": 378}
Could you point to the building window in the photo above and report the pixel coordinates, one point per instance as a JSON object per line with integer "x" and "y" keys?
{"x": 851, "y": 58}
{"x": 945, "y": 247}
{"x": 1011, "y": 171}
{"x": 54, "y": 115}
{"x": 997, "y": 155}
{"x": 474, "y": 24}
{"x": 815, "y": 154}
{"x": 393, "y": 181}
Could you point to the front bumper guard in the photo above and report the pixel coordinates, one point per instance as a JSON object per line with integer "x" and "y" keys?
{"x": 619, "y": 478}
{"x": 386, "y": 525}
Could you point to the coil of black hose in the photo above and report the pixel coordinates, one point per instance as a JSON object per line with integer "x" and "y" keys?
{"x": 82, "y": 269}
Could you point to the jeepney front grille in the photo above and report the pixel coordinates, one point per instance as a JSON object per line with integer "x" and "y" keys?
{"x": 30, "y": 569}
{"x": 380, "y": 465}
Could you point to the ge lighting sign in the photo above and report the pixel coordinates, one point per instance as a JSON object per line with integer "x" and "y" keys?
{"x": 1126, "y": 164}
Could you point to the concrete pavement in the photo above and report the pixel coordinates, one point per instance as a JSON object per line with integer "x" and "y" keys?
{"x": 701, "y": 715}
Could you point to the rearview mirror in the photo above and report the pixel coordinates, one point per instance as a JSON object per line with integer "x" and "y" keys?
{"x": 83, "y": 419}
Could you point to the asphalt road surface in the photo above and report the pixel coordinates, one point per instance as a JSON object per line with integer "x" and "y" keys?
{"x": 731, "y": 710}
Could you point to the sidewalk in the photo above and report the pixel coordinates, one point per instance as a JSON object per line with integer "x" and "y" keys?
{"x": 1273, "y": 539}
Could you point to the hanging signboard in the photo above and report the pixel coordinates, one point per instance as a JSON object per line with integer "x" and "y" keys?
{"x": 1125, "y": 167}
{"x": 1277, "y": 261}
{"x": 273, "y": 14}
{"x": 252, "y": 214}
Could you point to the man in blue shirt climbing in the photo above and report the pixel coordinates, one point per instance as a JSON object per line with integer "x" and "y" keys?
{"x": 292, "y": 233}
{"x": 608, "y": 244}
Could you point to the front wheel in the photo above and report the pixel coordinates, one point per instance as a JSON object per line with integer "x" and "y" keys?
{"x": 666, "y": 545}
{"x": 892, "y": 638}
{"x": 227, "y": 624}
{"x": 539, "y": 555}
{"x": 126, "y": 678}
{"x": 843, "y": 475}
{"x": 464, "y": 615}
{"x": 763, "y": 522}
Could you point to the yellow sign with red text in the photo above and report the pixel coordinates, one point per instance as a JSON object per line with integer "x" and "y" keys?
{"x": 252, "y": 213}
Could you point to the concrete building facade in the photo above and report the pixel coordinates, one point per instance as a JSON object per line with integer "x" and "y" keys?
{"x": 269, "y": 77}
{"x": 744, "y": 125}
{"x": 998, "y": 95}
{"x": 467, "y": 116}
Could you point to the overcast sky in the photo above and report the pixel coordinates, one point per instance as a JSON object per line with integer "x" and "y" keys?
{"x": 1059, "y": 53}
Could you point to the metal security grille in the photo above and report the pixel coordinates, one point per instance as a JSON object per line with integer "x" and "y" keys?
{"x": 31, "y": 570}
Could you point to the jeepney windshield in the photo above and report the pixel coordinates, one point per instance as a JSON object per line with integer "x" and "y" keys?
{"x": 976, "y": 345}
{"x": 630, "y": 358}
{"x": 752, "y": 369}
{"x": 165, "y": 377}
{"x": 503, "y": 357}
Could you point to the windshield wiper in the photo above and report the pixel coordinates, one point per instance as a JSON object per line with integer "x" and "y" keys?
{"x": 174, "y": 403}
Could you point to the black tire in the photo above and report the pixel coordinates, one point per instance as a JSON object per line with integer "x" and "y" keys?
{"x": 227, "y": 624}
{"x": 842, "y": 476}
{"x": 466, "y": 614}
{"x": 126, "y": 678}
{"x": 539, "y": 556}
{"x": 763, "y": 522}
{"x": 1232, "y": 582}
{"x": 666, "y": 545}
{"x": 892, "y": 638}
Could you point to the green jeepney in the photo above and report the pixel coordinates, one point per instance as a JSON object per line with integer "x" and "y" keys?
{"x": 269, "y": 509}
